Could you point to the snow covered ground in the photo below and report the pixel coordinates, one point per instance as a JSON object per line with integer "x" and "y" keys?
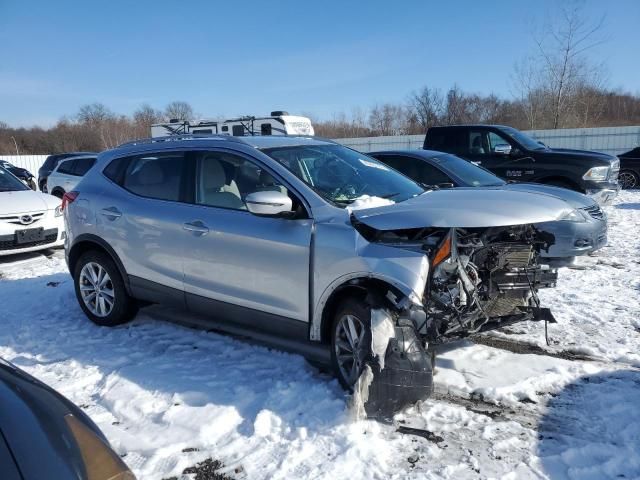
{"x": 169, "y": 397}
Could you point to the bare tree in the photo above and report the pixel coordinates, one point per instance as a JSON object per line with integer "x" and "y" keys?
{"x": 527, "y": 87}
{"x": 179, "y": 111}
{"x": 426, "y": 106}
{"x": 562, "y": 50}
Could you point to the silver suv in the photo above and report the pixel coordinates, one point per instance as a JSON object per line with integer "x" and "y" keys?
{"x": 304, "y": 241}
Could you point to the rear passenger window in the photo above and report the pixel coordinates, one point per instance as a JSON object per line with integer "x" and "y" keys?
{"x": 156, "y": 175}
{"x": 67, "y": 167}
{"x": 83, "y": 165}
{"x": 115, "y": 170}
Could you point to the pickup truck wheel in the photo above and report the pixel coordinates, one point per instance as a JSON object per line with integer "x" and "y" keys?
{"x": 628, "y": 179}
{"x": 101, "y": 292}
{"x": 351, "y": 341}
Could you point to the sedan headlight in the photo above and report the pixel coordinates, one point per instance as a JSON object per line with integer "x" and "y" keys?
{"x": 58, "y": 211}
{"x": 597, "y": 174}
{"x": 573, "y": 216}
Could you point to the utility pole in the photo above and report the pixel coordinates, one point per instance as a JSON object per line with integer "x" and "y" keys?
{"x": 16, "y": 144}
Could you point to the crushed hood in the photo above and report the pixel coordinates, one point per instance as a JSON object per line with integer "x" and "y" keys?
{"x": 26, "y": 201}
{"x": 465, "y": 208}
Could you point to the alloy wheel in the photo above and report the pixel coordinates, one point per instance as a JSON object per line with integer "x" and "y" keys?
{"x": 627, "y": 180}
{"x": 349, "y": 347}
{"x": 96, "y": 289}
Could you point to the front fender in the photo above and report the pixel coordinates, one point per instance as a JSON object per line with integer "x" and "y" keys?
{"x": 342, "y": 255}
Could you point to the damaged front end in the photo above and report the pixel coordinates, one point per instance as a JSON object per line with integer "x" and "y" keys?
{"x": 479, "y": 278}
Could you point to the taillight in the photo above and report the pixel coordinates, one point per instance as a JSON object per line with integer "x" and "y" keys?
{"x": 68, "y": 198}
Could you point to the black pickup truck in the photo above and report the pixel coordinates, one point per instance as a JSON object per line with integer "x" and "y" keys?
{"x": 513, "y": 155}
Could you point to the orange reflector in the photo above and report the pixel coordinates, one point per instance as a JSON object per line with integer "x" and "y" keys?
{"x": 443, "y": 252}
{"x": 101, "y": 463}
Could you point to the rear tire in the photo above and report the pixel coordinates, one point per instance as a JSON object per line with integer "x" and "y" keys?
{"x": 58, "y": 193}
{"x": 350, "y": 341}
{"x": 101, "y": 291}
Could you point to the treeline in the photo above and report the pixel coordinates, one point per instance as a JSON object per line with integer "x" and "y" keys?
{"x": 429, "y": 107}
{"x": 96, "y": 128}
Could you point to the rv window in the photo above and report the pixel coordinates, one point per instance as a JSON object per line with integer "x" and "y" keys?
{"x": 225, "y": 128}
{"x": 265, "y": 129}
{"x": 207, "y": 131}
{"x": 238, "y": 130}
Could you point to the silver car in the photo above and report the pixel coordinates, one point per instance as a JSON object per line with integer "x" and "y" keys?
{"x": 306, "y": 242}
{"x": 575, "y": 236}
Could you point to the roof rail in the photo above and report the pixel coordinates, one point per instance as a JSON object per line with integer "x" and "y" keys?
{"x": 177, "y": 138}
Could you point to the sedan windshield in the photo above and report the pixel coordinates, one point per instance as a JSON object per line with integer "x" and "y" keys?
{"x": 342, "y": 175}
{"x": 470, "y": 174}
{"x": 9, "y": 183}
{"x": 523, "y": 139}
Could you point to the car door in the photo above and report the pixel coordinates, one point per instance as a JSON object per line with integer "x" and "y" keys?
{"x": 141, "y": 216}
{"x": 250, "y": 268}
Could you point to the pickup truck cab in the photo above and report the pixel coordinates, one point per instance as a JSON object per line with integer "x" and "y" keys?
{"x": 513, "y": 155}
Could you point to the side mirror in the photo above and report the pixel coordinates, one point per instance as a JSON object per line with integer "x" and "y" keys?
{"x": 502, "y": 149}
{"x": 269, "y": 203}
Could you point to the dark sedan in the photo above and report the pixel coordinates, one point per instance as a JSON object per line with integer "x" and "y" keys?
{"x": 43, "y": 435}
{"x": 630, "y": 169}
{"x": 573, "y": 237}
{"x": 23, "y": 174}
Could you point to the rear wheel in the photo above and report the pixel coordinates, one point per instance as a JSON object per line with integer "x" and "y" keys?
{"x": 58, "y": 193}
{"x": 351, "y": 341}
{"x": 628, "y": 179}
{"x": 101, "y": 292}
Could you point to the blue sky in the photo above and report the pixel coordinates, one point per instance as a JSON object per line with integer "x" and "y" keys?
{"x": 252, "y": 57}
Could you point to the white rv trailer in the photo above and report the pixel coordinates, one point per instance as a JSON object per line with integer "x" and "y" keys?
{"x": 279, "y": 123}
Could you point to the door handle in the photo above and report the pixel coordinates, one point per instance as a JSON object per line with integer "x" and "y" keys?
{"x": 196, "y": 227}
{"x": 111, "y": 213}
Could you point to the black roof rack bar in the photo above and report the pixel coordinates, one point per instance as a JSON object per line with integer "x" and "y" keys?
{"x": 175, "y": 138}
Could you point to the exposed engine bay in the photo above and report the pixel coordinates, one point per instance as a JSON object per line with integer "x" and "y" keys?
{"x": 480, "y": 278}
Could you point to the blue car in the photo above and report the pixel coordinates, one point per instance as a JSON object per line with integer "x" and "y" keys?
{"x": 577, "y": 236}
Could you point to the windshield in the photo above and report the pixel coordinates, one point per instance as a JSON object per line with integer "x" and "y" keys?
{"x": 341, "y": 175}
{"x": 9, "y": 183}
{"x": 471, "y": 175}
{"x": 523, "y": 139}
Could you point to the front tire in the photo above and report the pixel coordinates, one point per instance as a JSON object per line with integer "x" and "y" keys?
{"x": 628, "y": 179}
{"x": 100, "y": 290}
{"x": 350, "y": 341}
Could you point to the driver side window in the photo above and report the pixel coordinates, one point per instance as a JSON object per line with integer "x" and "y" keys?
{"x": 224, "y": 180}
{"x": 495, "y": 139}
